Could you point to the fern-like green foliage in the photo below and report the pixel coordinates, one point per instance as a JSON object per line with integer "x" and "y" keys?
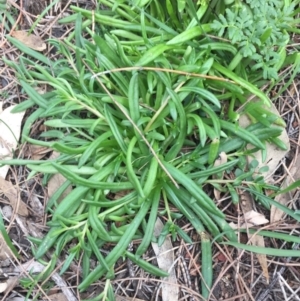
{"x": 259, "y": 28}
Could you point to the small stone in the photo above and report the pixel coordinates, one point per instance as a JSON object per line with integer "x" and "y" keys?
{"x": 7, "y": 211}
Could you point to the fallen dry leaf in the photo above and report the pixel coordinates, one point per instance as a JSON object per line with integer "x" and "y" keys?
{"x": 11, "y": 283}
{"x": 36, "y": 205}
{"x": 217, "y": 194}
{"x": 250, "y": 217}
{"x": 246, "y": 201}
{"x": 219, "y": 161}
{"x": 36, "y": 152}
{"x": 165, "y": 260}
{"x": 258, "y": 240}
{"x": 56, "y": 182}
{"x": 3, "y": 286}
{"x": 222, "y": 159}
{"x": 293, "y": 175}
{"x": 253, "y": 218}
{"x": 10, "y": 129}
{"x": 8, "y": 189}
{"x": 274, "y": 154}
{"x": 32, "y": 41}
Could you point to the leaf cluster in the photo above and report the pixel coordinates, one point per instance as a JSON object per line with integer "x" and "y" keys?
{"x": 260, "y": 31}
{"x": 139, "y": 110}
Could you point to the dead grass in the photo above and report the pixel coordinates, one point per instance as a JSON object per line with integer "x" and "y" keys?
{"x": 237, "y": 274}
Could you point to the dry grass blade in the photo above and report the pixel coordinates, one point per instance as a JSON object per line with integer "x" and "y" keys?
{"x": 236, "y": 276}
{"x": 163, "y": 70}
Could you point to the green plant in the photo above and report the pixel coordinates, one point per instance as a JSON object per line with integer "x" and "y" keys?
{"x": 141, "y": 105}
{"x": 7, "y": 15}
{"x": 260, "y": 29}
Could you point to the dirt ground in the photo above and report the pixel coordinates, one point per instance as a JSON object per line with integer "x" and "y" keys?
{"x": 238, "y": 275}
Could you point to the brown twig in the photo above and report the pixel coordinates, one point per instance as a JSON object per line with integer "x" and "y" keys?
{"x": 19, "y": 17}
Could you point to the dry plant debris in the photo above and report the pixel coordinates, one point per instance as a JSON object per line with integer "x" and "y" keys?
{"x": 165, "y": 260}
{"x": 10, "y": 130}
{"x": 236, "y": 275}
{"x": 31, "y": 40}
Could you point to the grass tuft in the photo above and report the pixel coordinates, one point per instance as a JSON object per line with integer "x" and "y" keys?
{"x": 141, "y": 105}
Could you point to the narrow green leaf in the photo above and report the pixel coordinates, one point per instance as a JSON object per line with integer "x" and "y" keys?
{"x": 203, "y": 93}
{"x": 115, "y": 129}
{"x": 7, "y": 238}
{"x": 264, "y": 250}
{"x": 293, "y": 186}
{"x": 133, "y": 97}
{"x": 190, "y": 34}
{"x": 29, "y": 51}
{"x": 153, "y": 53}
{"x": 242, "y": 82}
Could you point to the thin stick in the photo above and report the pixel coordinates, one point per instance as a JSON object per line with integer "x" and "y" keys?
{"x": 19, "y": 18}
{"x": 163, "y": 70}
{"x": 133, "y": 124}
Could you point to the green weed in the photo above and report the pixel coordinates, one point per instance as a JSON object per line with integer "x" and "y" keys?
{"x": 143, "y": 104}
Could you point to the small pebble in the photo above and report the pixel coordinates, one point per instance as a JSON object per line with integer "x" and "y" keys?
{"x": 7, "y": 211}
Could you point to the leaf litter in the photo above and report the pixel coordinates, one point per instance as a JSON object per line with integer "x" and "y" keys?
{"x": 10, "y": 130}
{"x": 217, "y": 251}
{"x": 165, "y": 259}
{"x": 31, "y": 40}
